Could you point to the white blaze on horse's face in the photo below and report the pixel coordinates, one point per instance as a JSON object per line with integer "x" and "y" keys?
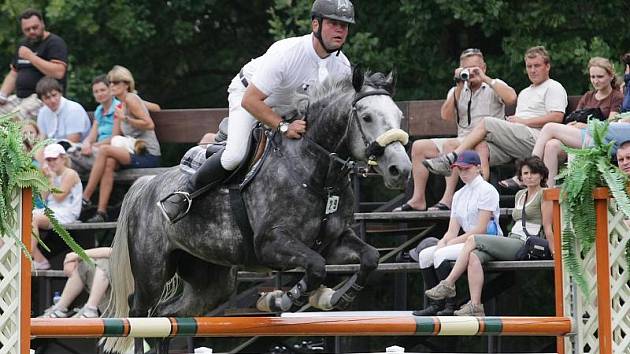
{"x": 377, "y": 115}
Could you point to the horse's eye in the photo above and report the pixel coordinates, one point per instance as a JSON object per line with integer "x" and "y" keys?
{"x": 367, "y": 118}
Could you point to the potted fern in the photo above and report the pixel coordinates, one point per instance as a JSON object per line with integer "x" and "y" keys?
{"x": 18, "y": 172}
{"x": 589, "y": 168}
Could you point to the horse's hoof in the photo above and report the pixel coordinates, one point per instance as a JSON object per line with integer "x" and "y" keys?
{"x": 321, "y": 298}
{"x": 267, "y": 301}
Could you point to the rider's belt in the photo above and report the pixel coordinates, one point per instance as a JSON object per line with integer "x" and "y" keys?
{"x": 243, "y": 79}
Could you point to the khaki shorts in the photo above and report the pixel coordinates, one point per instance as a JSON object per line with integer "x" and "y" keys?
{"x": 86, "y": 273}
{"x": 509, "y": 141}
{"x": 27, "y": 108}
{"x": 496, "y": 248}
{"x": 439, "y": 143}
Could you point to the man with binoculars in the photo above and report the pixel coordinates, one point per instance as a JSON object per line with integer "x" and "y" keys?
{"x": 474, "y": 97}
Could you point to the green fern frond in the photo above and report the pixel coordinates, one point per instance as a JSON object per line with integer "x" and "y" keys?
{"x": 17, "y": 172}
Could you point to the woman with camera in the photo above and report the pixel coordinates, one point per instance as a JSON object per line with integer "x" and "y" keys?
{"x": 532, "y": 216}
{"x": 605, "y": 98}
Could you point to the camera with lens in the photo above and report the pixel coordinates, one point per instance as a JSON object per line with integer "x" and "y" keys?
{"x": 626, "y": 58}
{"x": 463, "y": 75}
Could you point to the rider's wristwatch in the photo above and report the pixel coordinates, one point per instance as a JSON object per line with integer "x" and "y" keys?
{"x": 283, "y": 127}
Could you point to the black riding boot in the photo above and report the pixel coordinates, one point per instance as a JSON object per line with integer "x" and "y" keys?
{"x": 449, "y": 303}
{"x": 176, "y": 205}
{"x": 431, "y": 307}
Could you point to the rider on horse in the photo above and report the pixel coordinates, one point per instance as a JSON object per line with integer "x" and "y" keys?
{"x": 268, "y": 81}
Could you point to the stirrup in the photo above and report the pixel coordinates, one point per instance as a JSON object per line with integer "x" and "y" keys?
{"x": 184, "y": 195}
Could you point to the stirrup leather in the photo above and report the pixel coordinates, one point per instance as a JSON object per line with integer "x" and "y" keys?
{"x": 184, "y": 195}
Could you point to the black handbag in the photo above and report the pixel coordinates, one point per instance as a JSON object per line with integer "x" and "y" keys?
{"x": 582, "y": 115}
{"x": 535, "y": 247}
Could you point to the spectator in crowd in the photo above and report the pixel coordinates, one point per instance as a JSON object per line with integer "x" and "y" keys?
{"x": 480, "y": 249}
{"x": 102, "y": 126}
{"x": 544, "y": 101}
{"x": 95, "y": 280}
{"x": 626, "y": 79}
{"x": 65, "y": 204}
{"x": 623, "y": 156}
{"x": 133, "y": 144}
{"x": 269, "y": 81}
{"x": 60, "y": 118}
{"x": 40, "y": 53}
{"x": 470, "y": 100}
{"x": 606, "y": 97}
{"x": 475, "y": 207}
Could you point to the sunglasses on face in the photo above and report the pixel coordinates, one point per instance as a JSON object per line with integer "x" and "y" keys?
{"x": 49, "y": 159}
{"x": 116, "y": 82}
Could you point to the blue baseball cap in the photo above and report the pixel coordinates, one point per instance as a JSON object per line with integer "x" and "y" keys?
{"x": 467, "y": 159}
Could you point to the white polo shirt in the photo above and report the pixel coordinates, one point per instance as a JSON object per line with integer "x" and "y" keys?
{"x": 292, "y": 64}
{"x": 470, "y": 199}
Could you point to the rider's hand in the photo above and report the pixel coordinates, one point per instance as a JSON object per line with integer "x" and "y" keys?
{"x": 296, "y": 129}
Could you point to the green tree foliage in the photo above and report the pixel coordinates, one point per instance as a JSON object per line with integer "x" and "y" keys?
{"x": 184, "y": 53}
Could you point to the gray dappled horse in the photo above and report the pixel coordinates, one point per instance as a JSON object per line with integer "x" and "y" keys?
{"x": 287, "y": 206}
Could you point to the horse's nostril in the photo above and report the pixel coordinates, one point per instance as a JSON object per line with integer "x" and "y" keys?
{"x": 393, "y": 170}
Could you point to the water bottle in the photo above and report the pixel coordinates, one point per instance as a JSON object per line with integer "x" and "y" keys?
{"x": 56, "y": 297}
{"x": 492, "y": 227}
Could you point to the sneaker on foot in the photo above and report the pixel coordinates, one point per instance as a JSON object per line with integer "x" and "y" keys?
{"x": 470, "y": 310}
{"x": 98, "y": 217}
{"x": 441, "y": 291}
{"x": 86, "y": 312}
{"x": 441, "y": 165}
{"x": 55, "y": 312}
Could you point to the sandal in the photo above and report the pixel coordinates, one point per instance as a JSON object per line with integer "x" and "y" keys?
{"x": 53, "y": 312}
{"x": 511, "y": 184}
{"x": 439, "y": 206}
{"x": 86, "y": 312}
{"x": 407, "y": 207}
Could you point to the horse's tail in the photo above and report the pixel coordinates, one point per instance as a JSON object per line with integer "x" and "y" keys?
{"x": 121, "y": 277}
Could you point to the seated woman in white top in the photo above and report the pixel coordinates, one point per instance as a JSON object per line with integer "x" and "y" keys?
{"x": 66, "y": 205}
{"x": 475, "y": 207}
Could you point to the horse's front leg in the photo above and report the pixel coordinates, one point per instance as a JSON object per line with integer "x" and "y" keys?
{"x": 281, "y": 251}
{"x": 349, "y": 248}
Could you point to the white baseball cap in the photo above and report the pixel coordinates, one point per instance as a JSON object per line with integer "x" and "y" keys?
{"x": 53, "y": 151}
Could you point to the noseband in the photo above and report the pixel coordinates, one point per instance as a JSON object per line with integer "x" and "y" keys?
{"x": 375, "y": 149}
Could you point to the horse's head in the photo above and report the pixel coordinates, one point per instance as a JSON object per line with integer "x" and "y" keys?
{"x": 374, "y": 133}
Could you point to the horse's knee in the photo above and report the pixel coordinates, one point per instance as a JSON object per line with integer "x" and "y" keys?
{"x": 369, "y": 260}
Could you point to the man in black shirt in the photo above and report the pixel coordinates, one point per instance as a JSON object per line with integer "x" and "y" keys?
{"x": 40, "y": 53}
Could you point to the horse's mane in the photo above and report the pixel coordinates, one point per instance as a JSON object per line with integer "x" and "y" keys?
{"x": 329, "y": 89}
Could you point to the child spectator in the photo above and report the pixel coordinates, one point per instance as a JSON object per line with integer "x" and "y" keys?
{"x": 474, "y": 206}
{"x": 95, "y": 280}
{"x": 134, "y": 144}
{"x": 60, "y": 118}
{"x": 479, "y": 249}
{"x": 66, "y": 205}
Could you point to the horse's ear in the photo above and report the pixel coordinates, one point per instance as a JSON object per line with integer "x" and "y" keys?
{"x": 390, "y": 82}
{"x": 357, "y": 78}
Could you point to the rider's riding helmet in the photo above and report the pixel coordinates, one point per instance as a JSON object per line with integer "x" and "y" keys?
{"x": 340, "y": 10}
